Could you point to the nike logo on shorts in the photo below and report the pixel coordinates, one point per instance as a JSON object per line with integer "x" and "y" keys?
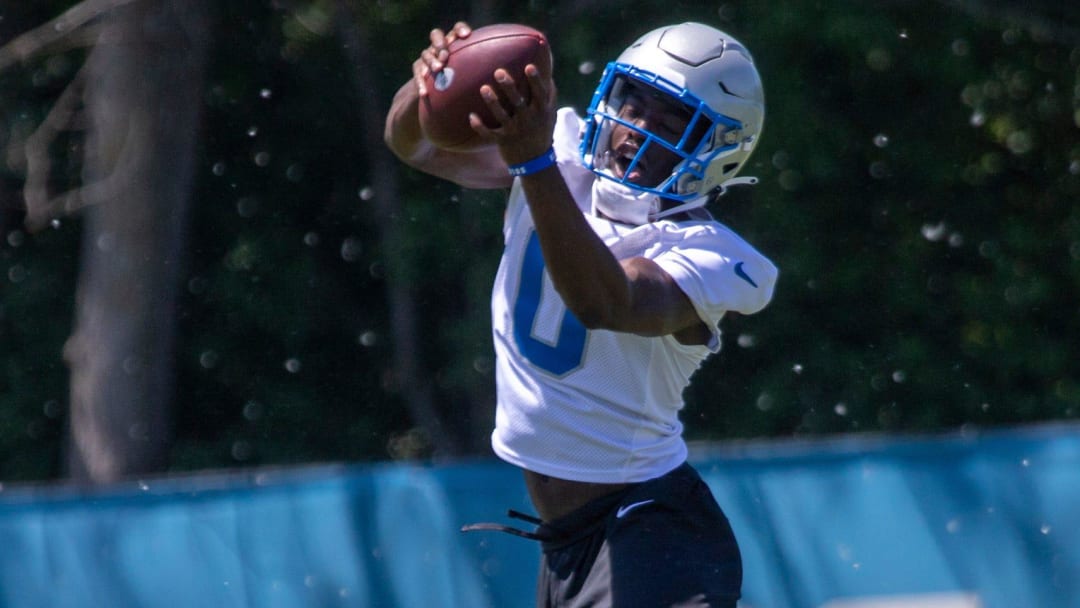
{"x": 623, "y": 510}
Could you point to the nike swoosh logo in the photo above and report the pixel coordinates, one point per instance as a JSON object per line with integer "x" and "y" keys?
{"x": 630, "y": 507}
{"x": 739, "y": 272}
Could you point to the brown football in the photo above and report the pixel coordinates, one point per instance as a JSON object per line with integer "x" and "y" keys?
{"x": 454, "y": 91}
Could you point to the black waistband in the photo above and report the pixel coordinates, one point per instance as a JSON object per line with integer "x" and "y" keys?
{"x": 584, "y": 520}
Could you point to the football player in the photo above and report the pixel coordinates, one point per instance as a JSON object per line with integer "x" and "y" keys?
{"x": 609, "y": 295}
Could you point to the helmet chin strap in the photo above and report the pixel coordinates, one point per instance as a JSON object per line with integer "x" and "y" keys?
{"x": 629, "y": 206}
{"x": 700, "y": 201}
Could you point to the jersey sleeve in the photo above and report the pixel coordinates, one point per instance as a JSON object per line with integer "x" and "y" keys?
{"x": 720, "y": 272}
{"x": 566, "y": 140}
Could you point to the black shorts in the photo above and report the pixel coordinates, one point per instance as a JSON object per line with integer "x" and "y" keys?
{"x": 663, "y": 542}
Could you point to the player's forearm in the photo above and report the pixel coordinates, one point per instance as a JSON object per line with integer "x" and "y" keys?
{"x": 402, "y": 132}
{"x": 481, "y": 168}
{"x": 586, "y": 274}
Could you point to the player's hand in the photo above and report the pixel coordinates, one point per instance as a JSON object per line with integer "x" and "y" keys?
{"x": 526, "y": 122}
{"x": 433, "y": 58}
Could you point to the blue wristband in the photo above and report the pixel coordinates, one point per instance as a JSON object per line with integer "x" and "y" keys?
{"x": 535, "y": 165}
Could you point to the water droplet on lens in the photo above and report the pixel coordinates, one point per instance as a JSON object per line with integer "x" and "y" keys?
{"x": 483, "y": 365}
{"x": 241, "y": 450}
{"x": 131, "y": 365}
{"x": 764, "y": 402}
{"x": 294, "y": 173}
{"x": 247, "y": 206}
{"x": 17, "y": 273}
{"x": 106, "y": 242}
{"x": 351, "y": 249}
{"x": 746, "y": 340}
{"x": 197, "y": 285}
{"x": 253, "y": 410}
{"x": 208, "y": 359}
{"x": 51, "y": 408}
{"x": 139, "y": 431}
{"x": 934, "y": 232}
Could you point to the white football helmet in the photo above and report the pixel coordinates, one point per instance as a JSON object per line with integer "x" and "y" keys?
{"x": 713, "y": 75}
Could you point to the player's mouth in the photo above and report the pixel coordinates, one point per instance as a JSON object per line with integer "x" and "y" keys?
{"x": 623, "y": 157}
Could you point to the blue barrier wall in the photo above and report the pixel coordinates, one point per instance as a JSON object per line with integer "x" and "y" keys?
{"x": 988, "y": 521}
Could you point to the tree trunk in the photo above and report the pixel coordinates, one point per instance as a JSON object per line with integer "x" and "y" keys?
{"x": 409, "y": 375}
{"x": 143, "y": 102}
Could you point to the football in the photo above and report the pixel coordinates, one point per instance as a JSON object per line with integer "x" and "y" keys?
{"x": 454, "y": 92}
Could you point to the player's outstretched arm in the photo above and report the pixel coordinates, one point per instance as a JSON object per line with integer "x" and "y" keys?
{"x": 635, "y": 295}
{"x": 482, "y": 168}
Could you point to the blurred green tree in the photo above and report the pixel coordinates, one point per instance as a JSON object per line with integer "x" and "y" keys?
{"x": 919, "y": 171}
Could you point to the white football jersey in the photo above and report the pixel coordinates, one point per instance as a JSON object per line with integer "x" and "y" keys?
{"x": 596, "y": 405}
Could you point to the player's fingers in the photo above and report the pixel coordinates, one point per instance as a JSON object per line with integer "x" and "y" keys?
{"x": 440, "y": 43}
{"x": 478, "y": 125}
{"x": 491, "y": 100}
{"x": 437, "y": 38}
{"x": 428, "y": 64}
{"x": 429, "y": 56}
{"x": 539, "y": 87}
{"x": 461, "y": 30}
{"x": 420, "y": 71}
{"x": 508, "y": 87}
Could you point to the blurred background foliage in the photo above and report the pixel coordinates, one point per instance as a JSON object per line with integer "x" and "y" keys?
{"x": 920, "y": 168}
